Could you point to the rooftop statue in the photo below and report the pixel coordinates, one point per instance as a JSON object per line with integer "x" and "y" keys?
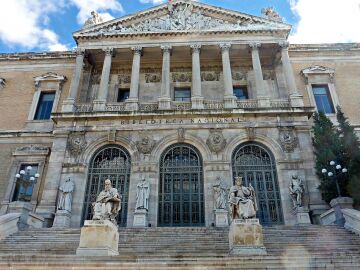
{"x": 93, "y": 20}
{"x": 108, "y": 203}
{"x": 271, "y": 14}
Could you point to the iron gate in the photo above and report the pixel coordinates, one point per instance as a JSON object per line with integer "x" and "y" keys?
{"x": 257, "y": 166}
{"x": 111, "y": 162}
{"x": 181, "y": 188}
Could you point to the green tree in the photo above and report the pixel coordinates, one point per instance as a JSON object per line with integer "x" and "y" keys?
{"x": 351, "y": 158}
{"x": 327, "y": 147}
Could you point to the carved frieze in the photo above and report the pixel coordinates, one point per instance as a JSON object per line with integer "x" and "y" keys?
{"x": 288, "y": 139}
{"x": 216, "y": 141}
{"x": 76, "y": 143}
{"x": 30, "y": 150}
{"x": 152, "y": 77}
{"x": 210, "y": 76}
{"x": 124, "y": 78}
{"x": 269, "y": 75}
{"x": 181, "y": 76}
{"x": 238, "y": 75}
{"x": 146, "y": 144}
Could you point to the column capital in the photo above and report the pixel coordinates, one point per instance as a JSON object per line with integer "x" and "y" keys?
{"x": 284, "y": 44}
{"x": 166, "y": 48}
{"x": 108, "y": 51}
{"x": 137, "y": 49}
{"x": 79, "y": 52}
{"x": 255, "y": 45}
{"x": 225, "y": 46}
{"x": 195, "y": 48}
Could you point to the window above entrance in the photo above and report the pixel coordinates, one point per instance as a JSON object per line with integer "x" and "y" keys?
{"x": 182, "y": 94}
{"x": 240, "y": 92}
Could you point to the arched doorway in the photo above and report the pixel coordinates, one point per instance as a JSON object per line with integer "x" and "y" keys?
{"x": 181, "y": 187}
{"x": 113, "y": 162}
{"x": 256, "y": 164}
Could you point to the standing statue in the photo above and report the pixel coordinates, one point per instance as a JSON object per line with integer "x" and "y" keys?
{"x": 142, "y": 194}
{"x": 296, "y": 189}
{"x": 65, "y": 198}
{"x": 242, "y": 200}
{"x": 108, "y": 203}
{"x": 220, "y": 195}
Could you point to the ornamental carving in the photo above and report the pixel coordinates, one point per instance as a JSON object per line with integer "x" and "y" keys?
{"x": 184, "y": 17}
{"x": 2, "y": 83}
{"x": 181, "y": 76}
{"x": 124, "y": 78}
{"x": 269, "y": 75}
{"x": 216, "y": 141}
{"x": 32, "y": 150}
{"x": 76, "y": 143}
{"x": 210, "y": 76}
{"x": 238, "y": 75}
{"x": 288, "y": 139}
{"x": 93, "y": 20}
{"x": 152, "y": 77}
{"x": 270, "y": 14}
{"x": 146, "y": 144}
{"x": 181, "y": 134}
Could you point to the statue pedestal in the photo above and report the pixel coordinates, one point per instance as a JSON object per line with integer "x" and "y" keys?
{"x": 302, "y": 216}
{"x": 140, "y": 218}
{"x": 98, "y": 238}
{"x": 62, "y": 219}
{"x": 221, "y": 218}
{"x": 246, "y": 237}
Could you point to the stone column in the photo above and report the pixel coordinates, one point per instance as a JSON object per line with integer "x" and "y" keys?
{"x": 100, "y": 102}
{"x": 165, "y": 100}
{"x": 262, "y": 96}
{"x": 295, "y": 98}
{"x": 197, "y": 99}
{"x": 132, "y": 103}
{"x": 229, "y": 98}
{"x": 68, "y": 104}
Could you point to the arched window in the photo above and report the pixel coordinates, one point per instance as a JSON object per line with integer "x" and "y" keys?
{"x": 181, "y": 187}
{"x": 256, "y": 164}
{"x": 113, "y": 162}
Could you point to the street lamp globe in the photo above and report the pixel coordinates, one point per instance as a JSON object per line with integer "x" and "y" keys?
{"x": 330, "y": 174}
{"x": 338, "y": 167}
{"x": 324, "y": 171}
{"x": 332, "y": 163}
{"x": 344, "y": 170}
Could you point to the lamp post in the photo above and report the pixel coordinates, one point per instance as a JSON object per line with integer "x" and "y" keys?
{"x": 336, "y": 171}
{"x": 25, "y": 180}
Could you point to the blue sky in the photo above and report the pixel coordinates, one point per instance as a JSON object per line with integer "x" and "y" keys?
{"x": 44, "y": 25}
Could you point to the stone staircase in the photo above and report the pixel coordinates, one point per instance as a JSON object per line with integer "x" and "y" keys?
{"x": 288, "y": 247}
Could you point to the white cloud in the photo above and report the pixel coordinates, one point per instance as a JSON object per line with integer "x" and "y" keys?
{"x": 86, "y": 6}
{"x": 24, "y": 23}
{"x": 326, "y": 21}
{"x": 154, "y": 2}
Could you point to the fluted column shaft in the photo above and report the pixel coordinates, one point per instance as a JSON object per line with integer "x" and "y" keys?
{"x": 165, "y": 78}
{"x": 287, "y": 67}
{"x": 259, "y": 81}
{"x": 225, "y": 55}
{"x": 135, "y": 73}
{"x": 105, "y": 75}
{"x": 196, "y": 71}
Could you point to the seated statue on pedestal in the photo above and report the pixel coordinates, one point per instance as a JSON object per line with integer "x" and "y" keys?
{"x": 108, "y": 203}
{"x": 242, "y": 201}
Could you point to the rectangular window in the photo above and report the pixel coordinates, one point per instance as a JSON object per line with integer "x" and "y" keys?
{"x": 240, "y": 92}
{"x": 123, "y": 94}
{"x": 24, "y": 186}
{"x": 45, "y": 106}
{"x": 323, "y": 99}
{"x": 182, "y": 94}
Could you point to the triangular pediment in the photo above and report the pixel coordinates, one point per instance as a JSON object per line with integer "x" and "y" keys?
{"x": 182, "y": 16}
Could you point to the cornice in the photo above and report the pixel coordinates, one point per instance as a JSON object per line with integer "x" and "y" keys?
{"x": 36, "y": 56}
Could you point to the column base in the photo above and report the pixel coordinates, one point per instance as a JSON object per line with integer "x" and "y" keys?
{"x": 62, "y": 219}
{"x": 132, "y": 104}
{"x": 221, "y": 218}
{"x": 296, "y": 100}
{"x": 246, "y": 237}
{"x": 263, "y": 102}
{"x": 98, "y": 238}
{"x": 68, "y": 105}
{"x": 197, "y": 103}
{"x": 164, "y": 103}
{"x": 99, "y": 105}
{"x": 140, "y": 218}
{"x": 302, "y": 216}
{"x": 230, "y": 102}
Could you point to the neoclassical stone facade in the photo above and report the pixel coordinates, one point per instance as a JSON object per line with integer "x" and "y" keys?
{"x": 180, "y": 95}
